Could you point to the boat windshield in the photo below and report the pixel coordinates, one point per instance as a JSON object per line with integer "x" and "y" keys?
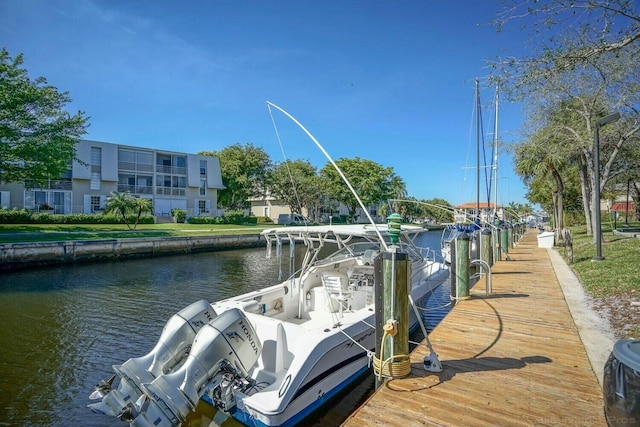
{"x": 352, "y": 250}
{"x": 359, "y": 249}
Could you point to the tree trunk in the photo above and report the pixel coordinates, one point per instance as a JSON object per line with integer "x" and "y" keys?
{"x": 559, "y": 201}
{"x": 586, "y": 195}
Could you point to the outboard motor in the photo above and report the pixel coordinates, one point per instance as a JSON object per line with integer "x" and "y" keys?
{"x": 226, "y": 349}
{"x": 172, "y": 347}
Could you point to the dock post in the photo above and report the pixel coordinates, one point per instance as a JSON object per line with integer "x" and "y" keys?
{"x": 510, "y": 236}
{"x": 495, "y": 240}
{"x": 462, "y": 267}
{"x": 392, "y": 273}
{"x": 485, "y": 246}
{"x": 504, "y": 241}
{"x": 452, "y": 268}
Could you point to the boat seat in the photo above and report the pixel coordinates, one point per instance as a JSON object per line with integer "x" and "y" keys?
{"x": 368, "y": 256}
{"x": 336, "y": 287}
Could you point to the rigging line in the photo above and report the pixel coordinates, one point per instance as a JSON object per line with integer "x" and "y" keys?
{"x": 469, "y": 140}
{"x": 490, "y": 178}
{"x": 344, "y": 178}
{"x": 484, "y": 154}
{"x": 286, "y": 161}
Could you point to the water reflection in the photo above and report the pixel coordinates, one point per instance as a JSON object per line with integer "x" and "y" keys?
{"x": 63, "y": 328}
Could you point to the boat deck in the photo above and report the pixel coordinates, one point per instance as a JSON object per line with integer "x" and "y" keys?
{"x": 513, "y": 359}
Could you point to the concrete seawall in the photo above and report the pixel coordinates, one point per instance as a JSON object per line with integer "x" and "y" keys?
{"x": 15, "y": 256}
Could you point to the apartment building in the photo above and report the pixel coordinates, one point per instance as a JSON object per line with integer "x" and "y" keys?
{"x": 170, "y": 179}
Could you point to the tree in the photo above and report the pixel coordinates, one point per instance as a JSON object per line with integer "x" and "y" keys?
{"x": 584, "y": 68}
{"x": 540, "y": 157}
{"x": 244, "y": 170}
{"x": 296, "y": 183}
{"x": 37, "y": 136}
{"x": 119, "y": 203}
{"x": 372, "y": 182}
{"x": 574, "y": 33}
{"x": 140, "y": 205}
{"x": 124, "y": 203}
{"x": 438, "y": 210}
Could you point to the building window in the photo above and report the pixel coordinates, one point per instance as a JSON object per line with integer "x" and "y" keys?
{"x": 203, "y": 168}
{"x": 203, "y": 187}
{"x": 202, "y": 206}
{"x": 95, "y": 203}
{"x": 96, "y": 167}
{"x": 95, "y": 180}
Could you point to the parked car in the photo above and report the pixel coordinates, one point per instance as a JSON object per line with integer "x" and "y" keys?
{"x": 292, "y": 219}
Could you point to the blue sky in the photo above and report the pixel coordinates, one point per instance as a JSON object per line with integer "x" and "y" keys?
{"x": 390, "y": 81}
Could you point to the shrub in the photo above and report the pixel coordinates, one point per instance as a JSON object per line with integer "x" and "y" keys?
{"x": 23, "y": 216}
{"x": 179, "y": 214}
{"x": 14, "y": 216}
{"x": 234, "y": 217}
{"x": 205, "y": 220}
{"x": 573, "y": 218}
{"x": 250, "y": 220}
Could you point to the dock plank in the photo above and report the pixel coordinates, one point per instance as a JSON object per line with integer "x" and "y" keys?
{"x": 512, "y": 359}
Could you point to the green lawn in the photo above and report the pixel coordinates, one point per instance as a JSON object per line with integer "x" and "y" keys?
{"x": 14, "y": 233}
{"x": 618, "y": 273}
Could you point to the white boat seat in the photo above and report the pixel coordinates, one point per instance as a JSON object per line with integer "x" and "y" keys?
{"x": 368, "y": 256}
{"x": 336, "y": 288}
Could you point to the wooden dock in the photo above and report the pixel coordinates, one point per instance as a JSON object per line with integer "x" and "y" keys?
{"x": 513, "y": 359}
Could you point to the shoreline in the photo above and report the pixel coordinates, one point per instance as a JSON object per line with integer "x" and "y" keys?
{"x": 18, "y": 256}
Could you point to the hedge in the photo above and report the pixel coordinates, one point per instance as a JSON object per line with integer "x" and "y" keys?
{"x": 229, "y": 217}
{"x": 22, "y": 216}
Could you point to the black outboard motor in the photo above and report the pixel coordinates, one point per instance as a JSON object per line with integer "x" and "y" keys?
{"x": 173, "y": 346}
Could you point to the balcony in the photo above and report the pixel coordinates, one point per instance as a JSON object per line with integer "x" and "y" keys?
{"x": 171, "y": 191}
{"x": 135, "y": 189}
{"x": 173, "y": 170}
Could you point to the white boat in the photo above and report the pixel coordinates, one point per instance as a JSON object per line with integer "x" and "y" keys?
{"x": 451, "y": 233}
{"x": 270, "y": 357}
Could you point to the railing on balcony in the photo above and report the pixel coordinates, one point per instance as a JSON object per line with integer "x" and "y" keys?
{"x": 135, "y": 189}
{"x": 174, "y": 170}
{"x": 132, "y": 166}
{"x": 171, "y": 191}
{"x": 53, "y": 184}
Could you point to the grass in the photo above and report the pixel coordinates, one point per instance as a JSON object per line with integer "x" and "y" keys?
{"x": 615, "y": 278}
{"x": 18, "y": 233}
{"x": 617, "y": 274}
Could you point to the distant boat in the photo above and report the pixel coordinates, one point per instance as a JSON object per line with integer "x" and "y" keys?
{"x": 271, "y": 357}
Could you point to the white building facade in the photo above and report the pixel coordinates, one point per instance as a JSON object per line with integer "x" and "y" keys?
{"x": 170, "y": 179}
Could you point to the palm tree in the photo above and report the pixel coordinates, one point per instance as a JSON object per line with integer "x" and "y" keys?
{"x": 140, "y": 205}
{"x": 543, "y": 155}
{"x": 120, "y": 203}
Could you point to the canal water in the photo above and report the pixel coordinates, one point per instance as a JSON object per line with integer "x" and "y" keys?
{"x": 62, "y": 328}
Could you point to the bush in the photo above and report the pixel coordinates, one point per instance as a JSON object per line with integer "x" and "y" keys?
{"x": 573, "y": 218}
{"x": 234, "y": 217}
{"x": 250, "y": 220}
{"x": 14, "y": 216}
{"x": 231, "y": 217}
{"x": 23, "y": 216}
{"x": 205, "y": 220}
{"x": 179, "y": 214}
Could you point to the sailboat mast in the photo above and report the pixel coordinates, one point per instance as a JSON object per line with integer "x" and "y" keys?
{"x": 495, "y": 158}
{"x": 477, "y": 151}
